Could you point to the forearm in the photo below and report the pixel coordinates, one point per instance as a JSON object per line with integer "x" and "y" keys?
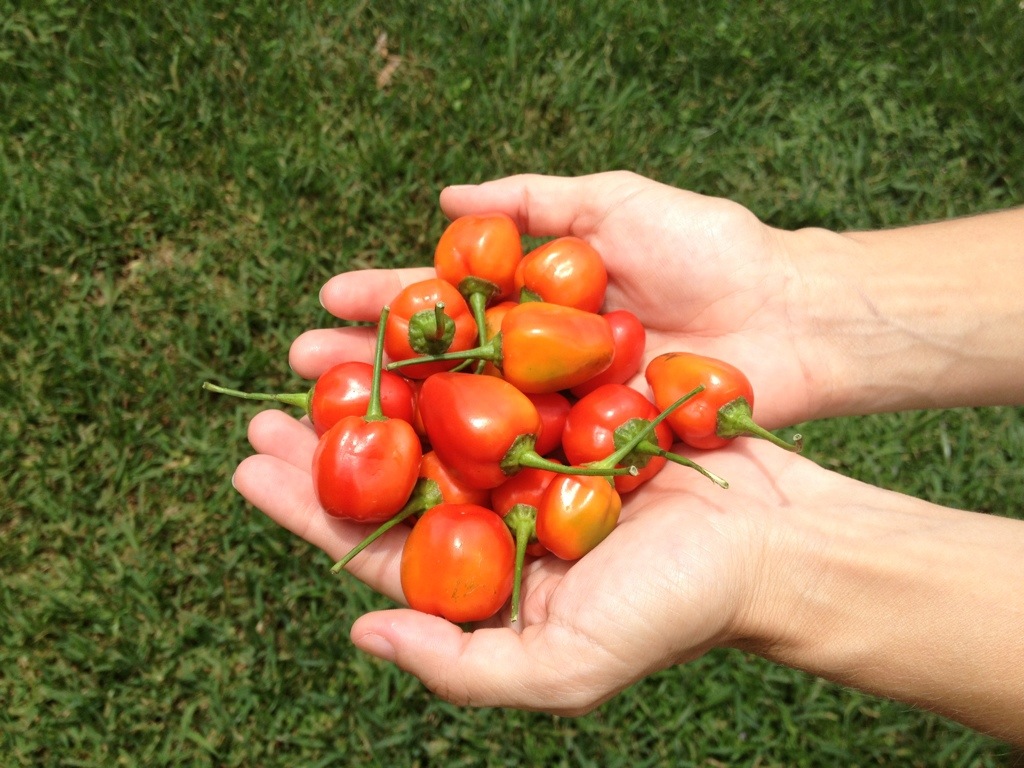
{"x": 903, "y": 599}
{"x": 918, "y": 317}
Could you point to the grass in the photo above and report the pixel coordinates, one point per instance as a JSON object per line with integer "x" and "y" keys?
{"x": 176, "y": 181}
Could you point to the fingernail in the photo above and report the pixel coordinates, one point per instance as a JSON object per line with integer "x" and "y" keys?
{"x": 375, "y": 645}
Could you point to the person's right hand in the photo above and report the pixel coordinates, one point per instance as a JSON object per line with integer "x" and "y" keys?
{"x": 702, "y": 273}
{"x": 685, "y": 570}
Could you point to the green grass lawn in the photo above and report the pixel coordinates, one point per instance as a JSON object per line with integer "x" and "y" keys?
{"x": 177, "y": 181}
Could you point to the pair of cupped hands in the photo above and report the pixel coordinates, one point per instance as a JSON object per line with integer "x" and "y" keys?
{"x": 680, "y": 574}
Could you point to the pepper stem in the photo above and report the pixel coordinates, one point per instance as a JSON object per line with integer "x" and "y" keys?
{"x": 302, "y": 400}
{"x": 654, "y": 449}
{"x": 374, "y": 409}
{"x": 431, "y": 331}
{"x": 479, "y": 292}
{"x": 489, "y": 351}
{"x": 439, "y": 318}
{"x": 736, "y": 419}
{"x": 622, "y": 451}
{"x": 523, "y": 454}
{"x": 522, "y": 521}
{"x": 478, "y": 304}
{"x": 478, "y": 301}
{"x": 526, "y": 295}
{"x": 426, "y": 494}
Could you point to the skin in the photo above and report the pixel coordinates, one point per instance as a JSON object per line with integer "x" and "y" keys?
{"x": 869, "y": 588}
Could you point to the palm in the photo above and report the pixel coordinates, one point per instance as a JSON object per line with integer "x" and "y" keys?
{"x": 661, "y": 589}
{"x": 619, "y": 613}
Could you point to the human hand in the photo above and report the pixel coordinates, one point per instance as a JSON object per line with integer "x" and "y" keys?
{"x": 677, "y": 576}
{"x": 719, "y": 305}
{"x": 703, "y": 274}
{"x": 862, "y": 586}
{"x": 859, "y": 585}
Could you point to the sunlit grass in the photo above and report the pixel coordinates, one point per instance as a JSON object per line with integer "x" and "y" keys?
{"x": 177, "y": 181}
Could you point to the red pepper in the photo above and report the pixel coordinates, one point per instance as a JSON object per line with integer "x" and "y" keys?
{"x": 576, "y": 514}
{"x": 417, "y": 419}
{"x": 452, "y": 490}
{"x": 342, "y": 390}
{"x": 722, "y": 412}
{"x": 610, "y": 416}
{"x": 566, "y": 270}
{"x": 458, "y": 563}
{"x": 630, "y": 338}
{"x": 553, "y": 408}
{"x": 365, "y": 467}
{"x": 543, "y": 347}
{"x": 427, "y": 318}
{"x": 479, "y": 254}
{"x": 484, "y": 429}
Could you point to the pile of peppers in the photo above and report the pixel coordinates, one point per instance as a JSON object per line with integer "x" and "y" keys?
{"x": 496, "y": 420}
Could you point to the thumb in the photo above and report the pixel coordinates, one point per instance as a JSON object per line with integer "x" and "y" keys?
{"x": 538, "y": 669}
{"x": 545, "y": 206}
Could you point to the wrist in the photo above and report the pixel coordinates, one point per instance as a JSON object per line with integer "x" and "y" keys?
{"x": 821, "y": 309}
{"x": 893, "y": 596}
{"x": 927, "y": 316}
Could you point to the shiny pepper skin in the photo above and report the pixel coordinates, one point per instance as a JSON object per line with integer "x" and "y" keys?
{"x": 575, "y": 514}
{"x": 472, "y": 422}
{"x": 365, "y": 471}
{"x": 548, "y": 347}
{"x": 458, "y": 562}
{"x": 722, "y": 412}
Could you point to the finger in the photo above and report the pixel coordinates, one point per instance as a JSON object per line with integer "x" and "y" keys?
{"x": 285, "y": 494}
{"x": 360, "y": 295}
{"x": 544, "y": 206}
{"x": 278, "y": 481}
{"x": 275, "y": 433}
{"x": 313, "y": 352}
{"x": 488, "y": 667}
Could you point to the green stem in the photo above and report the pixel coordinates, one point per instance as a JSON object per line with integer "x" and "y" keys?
{"x": 374, "y": 410}
{"x": 525, "y": 295}
{"x": 656, "y": 450}
{"x": 431, "y": 331}
{"x": 478, "y": 293}
{"x": 427, "y": 494}
{"x": 439, "y": 318}
{"x": 736, "y": 419}
{"x": 302, "y": 400}
{"x": 523, "y": 454}
{"x": 489, "y": 351}
{"x": 478, "y": 303}
{"x": 630, "y": 445}
{"x": 522, "y": 521}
